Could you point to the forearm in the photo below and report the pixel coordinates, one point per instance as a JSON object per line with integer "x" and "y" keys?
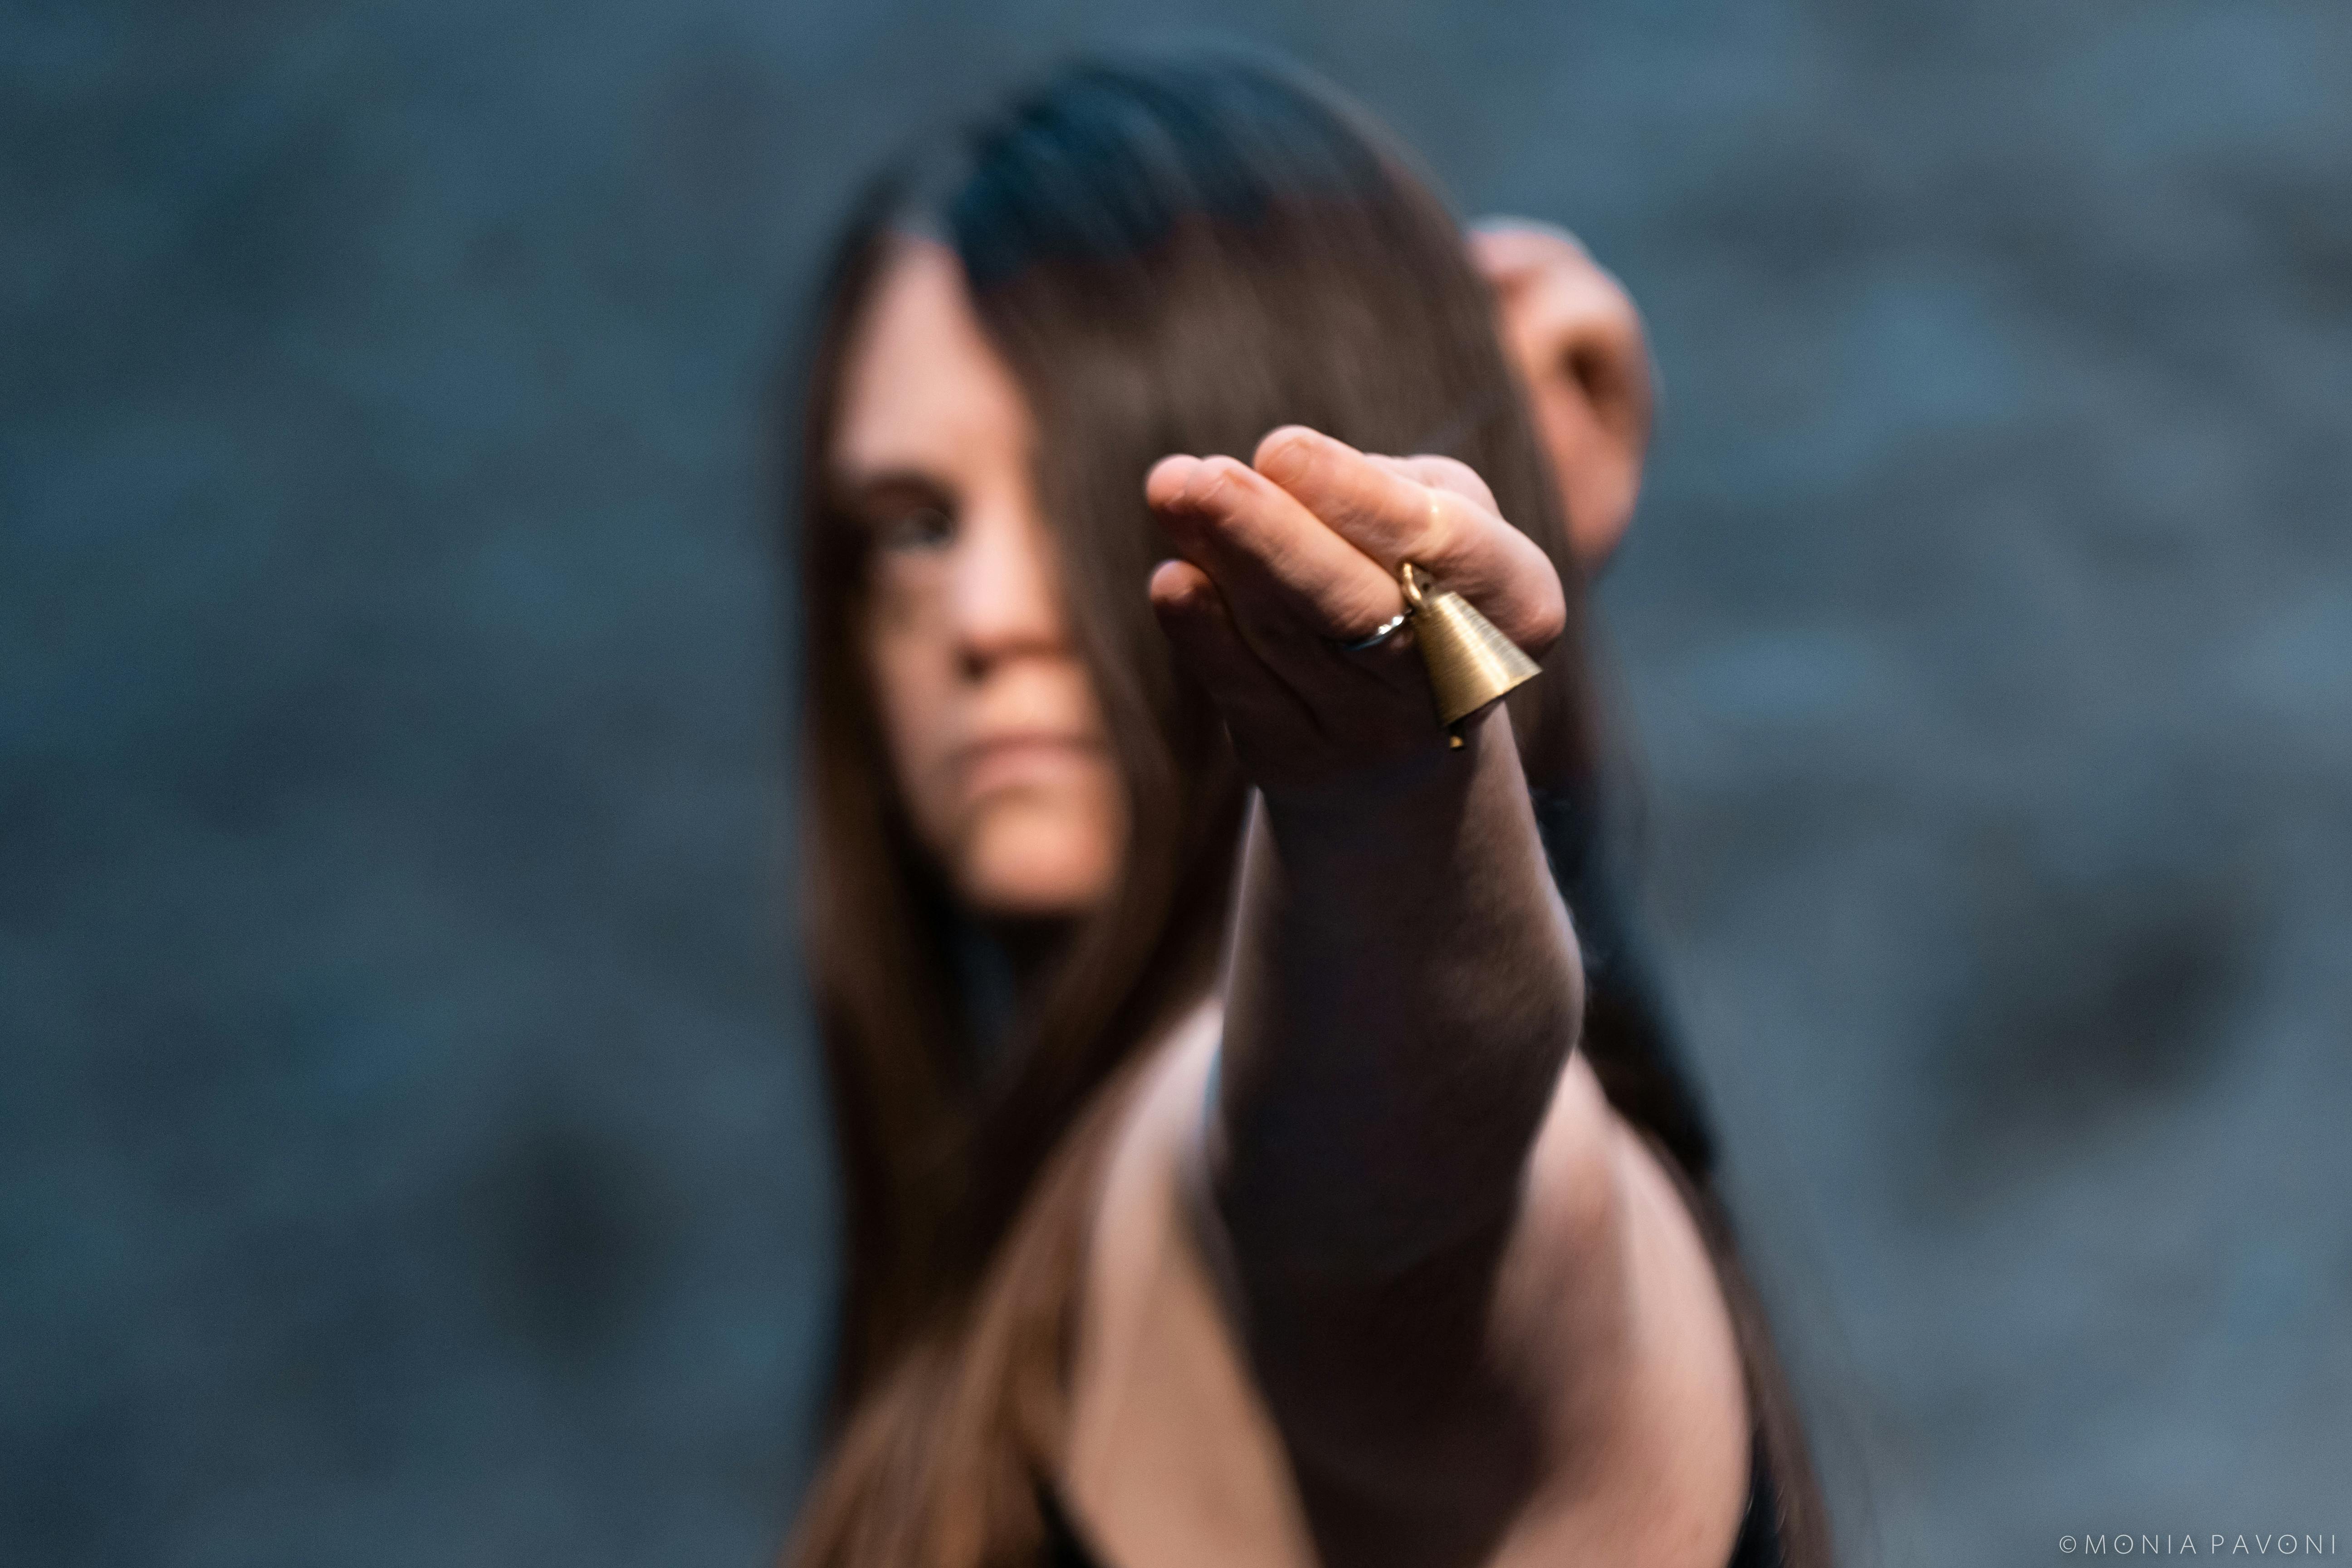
{"x": 1409, "y": 1188}
{"x": 1404, "y": 995}
{"x": 1404, "y": 989}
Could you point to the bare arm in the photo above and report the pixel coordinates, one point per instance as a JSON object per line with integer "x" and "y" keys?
{"x": 1437, "y": 1239}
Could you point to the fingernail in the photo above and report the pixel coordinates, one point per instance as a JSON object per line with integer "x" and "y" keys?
{"x": 1288, "y": 460}
{"x": 1175, "y": 463}
{"x": 1197, "y": 495}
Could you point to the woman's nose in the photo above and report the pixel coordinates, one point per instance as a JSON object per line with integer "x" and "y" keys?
{"x": 1006, "y": 592}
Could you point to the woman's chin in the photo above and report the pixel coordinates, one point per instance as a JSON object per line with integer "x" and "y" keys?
{"x": 1037, "y": 860}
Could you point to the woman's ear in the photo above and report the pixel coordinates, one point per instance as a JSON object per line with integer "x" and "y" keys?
{"x": 1574, "y": 333}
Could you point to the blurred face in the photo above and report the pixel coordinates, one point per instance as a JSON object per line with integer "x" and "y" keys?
{"x": 995, "y": 733}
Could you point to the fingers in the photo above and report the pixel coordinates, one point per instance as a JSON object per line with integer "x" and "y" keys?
{"x": 1284, "y": 575}
{"x": 1197, "y": 622}
{"x": 1280, "y": 567}
{"x": 1432, "y": 512}
{"x": 1440, "y": 474}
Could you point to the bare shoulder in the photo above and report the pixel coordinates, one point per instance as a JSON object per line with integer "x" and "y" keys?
{"x": 1608, "y": 1309}
{"x": 1173, "y": 1457}
{"x": 1137, "y": 1215}
{"x": 1611, "y": 1304}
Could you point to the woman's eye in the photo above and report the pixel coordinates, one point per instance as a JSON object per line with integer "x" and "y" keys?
{"x": 922, "y": 527}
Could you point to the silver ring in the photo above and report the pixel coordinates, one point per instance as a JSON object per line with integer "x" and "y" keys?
{"x": 1379, "y": 633}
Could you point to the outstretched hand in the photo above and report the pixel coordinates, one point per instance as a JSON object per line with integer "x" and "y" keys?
{"x": 1287, "y": 557}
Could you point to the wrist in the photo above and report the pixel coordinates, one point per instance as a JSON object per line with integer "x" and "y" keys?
{"x": 1406, "y": 792}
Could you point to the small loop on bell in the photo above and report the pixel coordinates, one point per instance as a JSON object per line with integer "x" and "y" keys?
{"x": 1470, "y": 662}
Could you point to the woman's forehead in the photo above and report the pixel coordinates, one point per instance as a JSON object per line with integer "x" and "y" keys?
{"x": 923, "y": 387}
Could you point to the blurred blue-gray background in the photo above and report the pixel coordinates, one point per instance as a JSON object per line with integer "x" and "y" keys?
{"x": 409, "y": 1146}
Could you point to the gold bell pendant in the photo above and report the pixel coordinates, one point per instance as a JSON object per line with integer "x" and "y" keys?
{"x": 1470, "y": 663}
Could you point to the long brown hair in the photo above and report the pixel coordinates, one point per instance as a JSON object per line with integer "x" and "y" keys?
{"x": 1175, "y": 255}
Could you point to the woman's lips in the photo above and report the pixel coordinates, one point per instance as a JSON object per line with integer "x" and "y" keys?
{"x": 1026, "y": 757}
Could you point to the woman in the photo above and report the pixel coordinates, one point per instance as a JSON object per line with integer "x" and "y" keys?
{"x": 1242, "y": 1164}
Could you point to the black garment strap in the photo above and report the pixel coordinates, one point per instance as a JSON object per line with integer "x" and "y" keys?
{"x": 1757, "y": 1546}
{"x": 1064, "y": 1549}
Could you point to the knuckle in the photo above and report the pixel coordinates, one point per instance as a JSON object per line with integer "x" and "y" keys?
{"x": 1542, "y": 604}
{"x": 1454, "y": 531}
{"x": 1453, "y": 474}
{"x": 1548, "y": 621}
